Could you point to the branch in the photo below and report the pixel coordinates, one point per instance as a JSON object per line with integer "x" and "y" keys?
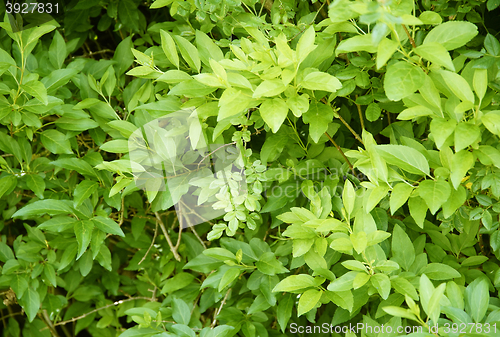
{"x": 341, "y": 152}
{"x": 360, "y": 114}
{"x": 217, "y": 312}
{"x": 164, "y": 230}
{"x": 150, "y": 246}
{"x": 412, "y": 41}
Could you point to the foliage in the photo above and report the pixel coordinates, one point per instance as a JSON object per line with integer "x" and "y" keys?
{"x": 367, "y": 180}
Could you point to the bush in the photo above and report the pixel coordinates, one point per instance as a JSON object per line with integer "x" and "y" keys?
{"x": 250, "y": 168}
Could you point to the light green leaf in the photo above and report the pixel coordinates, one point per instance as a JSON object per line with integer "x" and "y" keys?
{"x": 269, "y": 88}
{"x": 373, "y": 112}
{"x": 457, "y": 198}
{"x": 318, "y": 80}
{"x": 480, "y": 82}
{"x": 492, "y": 121}
{"x": 115, "y": 146}
{"x": 308, "y": 300}
{"x": 385, "y": 50}
{"x": 348, "y": 196}
{"x": 460, "y": 165}
{"x": 441, "y": 129}
{"x": 49, "y": 206}
{"x": 477, "y": 297}
{"x": 465, "y": 135}
{"x": 306, "y": 44}
{"x": 440, "y": 271}
{"x": 273, "y": 112}
{"x": 382, "y": 283}
{"x": 435, "y": 193}
{"x": 458, "y": 85}
{"x": 37, "y": 90}
{"x": 269, "y": 265}
{"x": 318, "y": 117}
{"x": 232, "y": 102}
{"x": 403, "y": 251}
{"x": 452, "y": 34}
{"x": 299, "y": 104}
{"x": 188, "y": 52}
{"x": 418, "y": 210}
{"x": 436, "y": 53}
{"x": 399, "y": 195}
{"x": 294, "y": 283}
{"x": 402, "y": 79}
{"x": 284, "y": 310}
{"x": 400, "y": 312}
{"x": 169, "y": 48}
{"x": 405, "y": 157}
{"x": 356, "y": 43}
{"x": 414, "y": 112}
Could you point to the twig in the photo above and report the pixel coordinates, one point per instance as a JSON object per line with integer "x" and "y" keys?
{"x": 164, "y": 230}
{"x": 150, "y": 246}
{"x": 341, "y": 152}
{"x": 197, "y": 236}
{"x": 360, "y": 114}
{"x": 211, "y": 153}
{"x": 101, "y": 308}
{"x": 412, "y": 41}
{"x": 46, "y": 319}
{"x": 389, "y": 117}
{"x": 217, "y": 312}
{"x": 354, "y": 133}
{"x": 190, "y": 225}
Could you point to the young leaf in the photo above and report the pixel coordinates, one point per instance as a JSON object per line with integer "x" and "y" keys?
{"x": 308, "y": 300}
{"x": 435, "y": 193}
{"x": 83, "y": 232}
{"x": 452, "y": 34}
{"x": 169, "y": 48}
{"x": 402, "y": 79}
{"x": 273, "y": 112}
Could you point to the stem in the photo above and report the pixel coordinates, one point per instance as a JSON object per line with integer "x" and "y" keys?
{"x": 360, "y": 115}
{"x": 412, "y": 41}
{"x": 150, "y": 246}
{"x": 164, "y": 230}
{"x": 217, "y": 312}
{"x": 341, "y": 152}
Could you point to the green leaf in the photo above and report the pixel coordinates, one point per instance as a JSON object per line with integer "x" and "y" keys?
{"x": 492, "y": 121}
{"x": 7, "y": 183}
{"x": 402, "y": 79}
{"x": 181, "y": 312}
{"x": 269, "y": 265}
{"x": 318, "y": 117}
{"x": 386, "y": 48}
{"x": 36, "y": 184}
{"x": 284, "y": 311}
{"x": 84, "y": 190}
{"x": 458, "y": 85}
{"x": 207, "y": 48}
{"x": 37, "y": 90}
{"x": 83, "y": 232}
{"x": 418, "y": 210}
{"x": 115, "y": 146}
{"x": 306, "y": 44}
{"x": 232, "y": 102}
{"x": 274, "y": 112}
{"x": 348, "y": 197}
{"x": 433, "y": 306}
{"x": 50, "y": 274}
{"x": 229, "y": 276}
{"x": 465, "y": 135}
{"x": 86, "y": 263}
{"x": 400, "y": 312}
{"x": 269, "y": 88}
{"x": 460, "y": 165}
{"x": 188, "y": 52}
{"x": 373, "y": 112}
{"x": 480, "y": 82}
{"x": 436, "y": 53}
{"x": 405, "y": 157}
{"x": 356, "y": 43}
{"x": 441, "y": 129}
{"x": 49, "y": 206}
{"x": 382, "y": 283}
{"x": 435, "y": 193}
{"x": 440, "y": 271}
{"x": 318, "y": 80}
{"x": 56, "y": 142}
{"x": 57, "y": 51}
{"x": 399, "y": 195}
{"x": 76, "y": 124}
{"x": 107, "y": 225}
{"x": 129, "y": 14}
{"x": 403, "y": 251}
{"x": 177, "y": 282}
{"x": 30, "y": 303}
{"x": 477, "y": 297}
{"x": 452, "y": 34}
{"x": 19, "y": 284}
{"x": 169, "y": 48}
{"x": 414, "y": 112}
{"x": 457, "y": 198}
{"x": 294, "y": 283}
{"x": 308, "y": 301}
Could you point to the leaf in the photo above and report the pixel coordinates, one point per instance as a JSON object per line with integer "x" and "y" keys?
{"x": 433, "y": 306}
{"x": 129, "y": 14}
{"x": 107, "y": 225}
{"x": 49, "y": 206}
{"x": 460, "y": 165}
{"x": 399, "y": 195}
{"x": 36, "y": 184}
{"x": 269, "y": 265}
{"x": 37, "y": 90}
{"x": 269, "y": 88}
{"x": 318, "y": 117}
{"x": 439, "y": 271}
{"x": 169, "y": 48}
{"x": 294, "y": 283}
{"x": 115, "y": 146}
{"x": 492, "y": 121}
{"x": 414, "y": 112}
{"x": 348, "y": 197}
{"x": 457, "y": 198}
{"x": 477, "y": 297}
{"x": 400, "y": 312}
{"x": 308, "y": 301}
{"x": 382, "y": 283}
{"x": 306, "y": 44}
{"x": 57, "y": 50}
{"x": 458, "y": 85}
{"x": 402, "y": 79}
{"x": 441, "y": 129}
{"x": 318, "y": 80}
{"x": 229, "y": 276}
{"x": 188, "y": 52}
{"x": 30, "y": 303}
{"x": 452, "y": 34}
{"x": 386, "y": 48}
{"x": 373, "y": 112}
{"x": 207, "y": 48}
{"x": 181, "y": 311}
{"x": 465, "y": 135}
{"x": 56, "y": 142}
{"x": 403, "y": 251}
{"x": 232, "y": 102}
{"x": 418, "y": 210}
{"x": 356, "y": 43}
{"x": 405, "y": 157}
{"x": 274, "y": 112}
{"x": 284, "y": 311}
{"x": 84, "y": 190}
{"x": 492, "y": 45}
{"x": 436, "y": 53}
{"x": 435, "y": 193}
{"x": 83, "y": 232}
{"x": 480, "y": 82}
